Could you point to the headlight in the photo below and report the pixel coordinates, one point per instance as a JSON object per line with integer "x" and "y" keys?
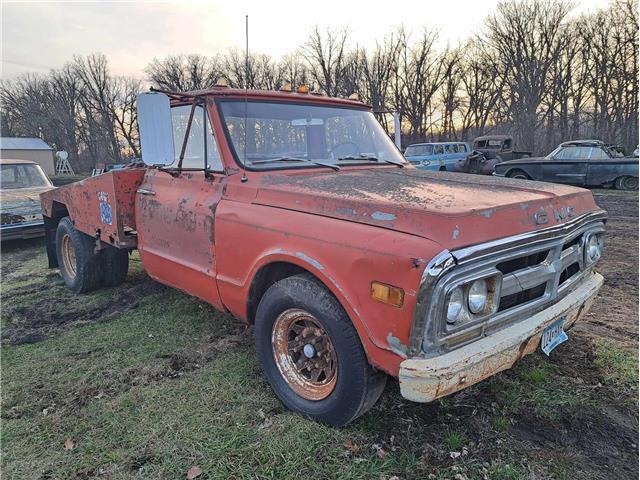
{"x": 472, "y": 300}
{"x": 454, "y": 308}
{"x": 593, "y": 248}
{"x": 477, "y": 298}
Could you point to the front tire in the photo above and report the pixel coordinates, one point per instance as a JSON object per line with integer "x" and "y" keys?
{"x": 311, "y": 353}
{"x": 79, "y": 265}
{"x": 518, "y": 174}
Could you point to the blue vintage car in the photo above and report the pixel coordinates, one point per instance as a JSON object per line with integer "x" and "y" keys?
{"x": 436, "y": 156}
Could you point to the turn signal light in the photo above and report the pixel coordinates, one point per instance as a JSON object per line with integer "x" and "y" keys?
{"x": 286, "y": 87}
{"x": 354, "y": 96}
{"x": 222, "y": 82}
{"x": 303, "y": 88}
{"x": 387, "y": 294}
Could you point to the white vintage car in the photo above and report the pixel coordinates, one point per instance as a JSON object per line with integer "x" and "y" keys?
{"x": 21, "y": 183}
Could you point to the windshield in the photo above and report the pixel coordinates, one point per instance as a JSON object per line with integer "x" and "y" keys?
{"x": 283, "y": 131}
{"x": 415, "y": 150}
{"x": 553, "y": 154}
{"x": 22, "y": 175}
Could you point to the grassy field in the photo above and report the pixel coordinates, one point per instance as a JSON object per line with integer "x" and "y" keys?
{"x": 142, "y": 381}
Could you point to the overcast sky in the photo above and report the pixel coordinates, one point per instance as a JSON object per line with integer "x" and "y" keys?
{"x": 38, "y": 36}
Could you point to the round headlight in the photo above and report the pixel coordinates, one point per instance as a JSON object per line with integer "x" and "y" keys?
{"x": 593, "y": 248}
{"x": 455, "y": 305}
{"x": 477, "y": 296}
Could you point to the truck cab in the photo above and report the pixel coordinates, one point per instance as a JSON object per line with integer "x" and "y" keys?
{"x": 296, "y": 213}
{"x": 487, "y": 152}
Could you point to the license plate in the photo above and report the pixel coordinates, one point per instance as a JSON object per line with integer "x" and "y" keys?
{"x": 553, "y": 336}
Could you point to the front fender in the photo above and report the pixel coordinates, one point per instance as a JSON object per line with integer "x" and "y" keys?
{"x": 345, "y": 256}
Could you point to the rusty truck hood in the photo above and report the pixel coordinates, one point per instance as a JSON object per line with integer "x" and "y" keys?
{"x": 453, "y": 209}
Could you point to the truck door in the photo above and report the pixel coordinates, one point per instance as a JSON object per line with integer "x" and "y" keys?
{"x": 175, "y": 210}
{"x": 569, "y": 165}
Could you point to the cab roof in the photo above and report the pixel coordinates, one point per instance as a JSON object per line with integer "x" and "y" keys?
{"x": 492, "y": 137}
{"x": 277, "y": 95}
{"x": 586, "y": 143}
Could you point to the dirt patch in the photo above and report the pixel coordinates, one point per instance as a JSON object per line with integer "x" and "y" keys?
{"x": 617, "y": 204}
{"x": 179, "y": 363}
{"x": 600, "y": 440}
{"x": 615, "y": 312}
{"x": 32, "y": 317}
{"x": 175, "y": 365}
{"x": 116, "y": 382}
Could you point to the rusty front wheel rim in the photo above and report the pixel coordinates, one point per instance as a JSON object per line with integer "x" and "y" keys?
{"x": 69, "y": 255}
{"x": 304, "y": 354}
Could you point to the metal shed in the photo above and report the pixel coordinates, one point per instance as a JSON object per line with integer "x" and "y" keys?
{"x": 23, "y": 148}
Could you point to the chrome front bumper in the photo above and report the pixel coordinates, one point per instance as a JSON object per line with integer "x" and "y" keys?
{"x": 426, "y": 379}
{"x": 14, "y": 231}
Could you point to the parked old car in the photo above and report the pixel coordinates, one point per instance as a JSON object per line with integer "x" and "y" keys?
{"x": 21, "y": 183}
{"x": 439, "y": 156}
{"x": 487, "y": 151}
{"x": 296, "y": 213}
{"x": 579, "y": 162}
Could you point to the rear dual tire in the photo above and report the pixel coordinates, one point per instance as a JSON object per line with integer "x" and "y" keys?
{"x": 311, "y": 353}
{"x": 81, "y": 267}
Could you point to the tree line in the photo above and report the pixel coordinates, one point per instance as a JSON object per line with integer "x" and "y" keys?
{"x": 532, "y": 71}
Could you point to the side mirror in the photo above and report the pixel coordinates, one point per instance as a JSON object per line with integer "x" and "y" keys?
{"x": 156, "y": 129}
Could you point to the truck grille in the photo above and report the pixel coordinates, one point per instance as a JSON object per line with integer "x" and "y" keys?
{"x": 537, "y": 270}
{"x": 519, "y": 263}
{"x": 544, "y": 273}
{"x": 509, "y": 301}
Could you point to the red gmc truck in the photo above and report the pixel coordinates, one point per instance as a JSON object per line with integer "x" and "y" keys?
{"x": 294, "y": 212}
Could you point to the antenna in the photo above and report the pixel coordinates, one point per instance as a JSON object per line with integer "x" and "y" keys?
{"x": 244, "y": 177}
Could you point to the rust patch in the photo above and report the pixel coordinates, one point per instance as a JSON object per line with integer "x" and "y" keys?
{"x": 185, "y": 218}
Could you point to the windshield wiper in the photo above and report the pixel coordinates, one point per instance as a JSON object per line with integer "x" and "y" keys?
{"x": 295, "y": 159}
{"x": 369, "y": 158}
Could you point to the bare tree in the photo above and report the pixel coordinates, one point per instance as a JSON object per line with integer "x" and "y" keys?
{"x": 326, "y": 55}
{"x": 450, "y": 94}
{"x": 183, "y": 73}
{"x": 525, "y": 40}
{"x": 66, "y": 97}
{"x": 378, "y": 69}
{"x": 482, "y": 88}
{"x": 293, "y": 69}
{"x": 418, "y": 77}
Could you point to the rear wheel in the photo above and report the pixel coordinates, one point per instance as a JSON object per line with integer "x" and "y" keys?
{"x": 311, "y": 353}
{"x": 79, "y": 265}
{"x": 627, "y": 183}
{"x": 518, "y": 174}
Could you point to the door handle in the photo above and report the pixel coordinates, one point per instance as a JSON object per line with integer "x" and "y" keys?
{"x": 144, "y": 191}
